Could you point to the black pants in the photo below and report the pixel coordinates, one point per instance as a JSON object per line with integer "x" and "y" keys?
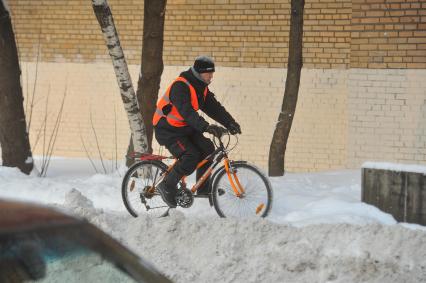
{"x": 190, "y": 150}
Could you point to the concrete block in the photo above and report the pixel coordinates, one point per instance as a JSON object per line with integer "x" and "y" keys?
{"x": 398, "y": 191}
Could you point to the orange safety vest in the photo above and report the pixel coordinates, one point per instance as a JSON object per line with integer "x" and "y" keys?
{"x": 173, "y": 117}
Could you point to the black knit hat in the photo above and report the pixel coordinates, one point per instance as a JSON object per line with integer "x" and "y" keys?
{"x": 204, "y": 64}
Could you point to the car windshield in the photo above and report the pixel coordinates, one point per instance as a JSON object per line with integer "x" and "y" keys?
{"x": 59, "y": 256}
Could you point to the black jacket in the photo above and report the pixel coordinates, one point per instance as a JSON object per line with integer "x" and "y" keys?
{"x": 180, "y": 97}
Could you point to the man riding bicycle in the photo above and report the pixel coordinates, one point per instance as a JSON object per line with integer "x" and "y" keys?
{"x": 180, "y": 128}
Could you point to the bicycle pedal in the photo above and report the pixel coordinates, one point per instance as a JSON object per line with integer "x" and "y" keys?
{"x": 184, "y": 198}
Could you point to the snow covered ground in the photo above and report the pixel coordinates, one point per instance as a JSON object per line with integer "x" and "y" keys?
{"x": 318, "y": 231}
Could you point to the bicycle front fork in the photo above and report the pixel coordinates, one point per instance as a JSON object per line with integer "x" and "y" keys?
{"x": 232, "y": 176}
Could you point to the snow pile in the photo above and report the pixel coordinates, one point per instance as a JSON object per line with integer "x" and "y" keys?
{"x": 76, "y": 203}
{"x": 318, "y": 229}
{"x": 189, "y": 249}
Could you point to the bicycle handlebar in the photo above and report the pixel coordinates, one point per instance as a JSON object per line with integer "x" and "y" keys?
{"x": 220, "y": 143}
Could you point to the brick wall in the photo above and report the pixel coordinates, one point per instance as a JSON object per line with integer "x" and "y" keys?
{"x": 354, "y": 103}
{"x": 385, "y": 34}
{"x": 326, "y": 41}
{"x": 388, "y": 34}
{"x": 67, "y": 31}
{"x": 237, "y": 33}
{"x": 254, "y": 33}
{"x": 386, "y": 116}
{"x": 252, "y": 95}
{"x": 343, "y": 117}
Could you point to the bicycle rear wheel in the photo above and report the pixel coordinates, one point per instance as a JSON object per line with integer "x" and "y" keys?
{"x": 138, "y": 189}
{"x": 255, "y": 201}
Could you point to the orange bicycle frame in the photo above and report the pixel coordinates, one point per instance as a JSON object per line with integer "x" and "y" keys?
{"x": 238, "y": 189}
{"x": 232, "y": 176}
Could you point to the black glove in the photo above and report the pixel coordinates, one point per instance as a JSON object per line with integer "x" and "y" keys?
{"x": 215, "y": 130}
{"x": 234, "y": 128}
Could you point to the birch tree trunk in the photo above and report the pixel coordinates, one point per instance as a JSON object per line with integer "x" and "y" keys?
{"x": 14, "y": 141}
{"x": 151, "y": 64}
{"x": 106, "y": 21}
{"x": 288, "y": 108}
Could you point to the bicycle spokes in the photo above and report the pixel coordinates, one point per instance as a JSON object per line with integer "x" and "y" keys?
{"x": 241, "y": 190}
{"x": 139, "y": 189}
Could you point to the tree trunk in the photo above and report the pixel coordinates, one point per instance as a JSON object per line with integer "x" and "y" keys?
{"x": 288, "y": 109}
{"x": 105, "y": 19}
{"x": 14, "y": 141}
{"x": 151, "y": 66}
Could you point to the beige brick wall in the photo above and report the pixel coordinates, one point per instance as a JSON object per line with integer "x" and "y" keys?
{"x": 253, "y": 96}
{"x": 386, "y": 116}
{"x": 343, "y": 117}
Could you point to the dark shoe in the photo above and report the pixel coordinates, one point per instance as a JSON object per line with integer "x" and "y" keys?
{"x": 167, "y": 194}
{"x": 168, "y": 188}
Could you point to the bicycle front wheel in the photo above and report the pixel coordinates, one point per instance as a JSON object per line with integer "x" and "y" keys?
{"x": 139, "y": 192}
{"x": 255, "y": 198}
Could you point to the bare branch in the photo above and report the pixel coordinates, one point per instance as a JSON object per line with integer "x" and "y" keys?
{"x": 38, "y": 136}
{"x": 35, "y": 84}
{"x": 115, "y": 138}
{"x": 97, "y": 143}
{"x": 27, "y": 92}
{"x": 55, "y": 132}
{"x": 86, "y": 151}
{"x": 44, "y": 132}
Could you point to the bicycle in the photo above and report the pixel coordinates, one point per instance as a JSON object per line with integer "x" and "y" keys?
{"x": 237, "y": 188}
